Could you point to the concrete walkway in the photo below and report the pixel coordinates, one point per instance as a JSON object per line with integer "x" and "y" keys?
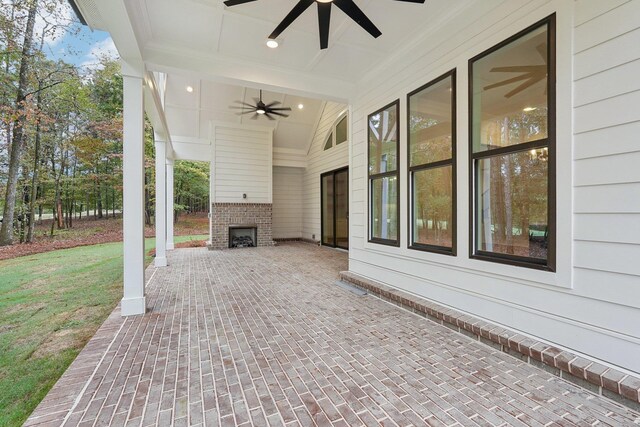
{"x": 263, "y": 336}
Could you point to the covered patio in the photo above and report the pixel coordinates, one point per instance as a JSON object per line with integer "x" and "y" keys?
{"x": 265, "y": 336}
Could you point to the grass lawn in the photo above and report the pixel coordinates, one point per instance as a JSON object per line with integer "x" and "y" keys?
{"x": 51, "y": 304}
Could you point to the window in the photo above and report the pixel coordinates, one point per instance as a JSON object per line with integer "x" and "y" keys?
{"x": 338, "y": 133}
{"x": 383, "y": 136}
{"x": 431, "y": 129}
{"x": 512, "y": 146}
{"x": 329, "y": 141}
{"x": 341, "y": 131}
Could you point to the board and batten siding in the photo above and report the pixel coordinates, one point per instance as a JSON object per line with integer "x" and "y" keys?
{"x": 320, "y": 161}
{"x": 242, "y": 164}
{"x": 592, "y": 303}
{"x": 287, "y": 203}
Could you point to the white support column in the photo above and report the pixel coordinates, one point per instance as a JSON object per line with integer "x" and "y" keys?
{"x": 161, "y": 205}
{"x": 133, "y": 301}
{"x": 170, "y": 245}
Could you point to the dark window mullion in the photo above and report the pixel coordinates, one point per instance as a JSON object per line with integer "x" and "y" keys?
{"x": 525, "y": 146}
{"x": 432, "y": 165}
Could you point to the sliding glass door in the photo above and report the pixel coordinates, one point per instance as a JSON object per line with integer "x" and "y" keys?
{"x": 334, "y": 189}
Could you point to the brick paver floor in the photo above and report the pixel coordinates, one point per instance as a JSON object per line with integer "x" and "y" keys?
{"x": 264, "y": 337}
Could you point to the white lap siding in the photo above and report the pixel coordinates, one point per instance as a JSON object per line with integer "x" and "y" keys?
{"x": 318, "y": 162}
{"x": 592, "y": 303}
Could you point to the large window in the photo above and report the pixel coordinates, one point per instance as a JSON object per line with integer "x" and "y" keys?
{"x": 512, "y": 149}
{"x": 431, "y": 128}
{"x": 383, "y": 163}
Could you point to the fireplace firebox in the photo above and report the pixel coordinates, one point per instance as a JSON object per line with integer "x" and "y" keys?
{"x": 243, "y": 236}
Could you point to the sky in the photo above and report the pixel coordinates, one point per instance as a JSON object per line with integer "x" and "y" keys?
{"x": 80, "y": 46}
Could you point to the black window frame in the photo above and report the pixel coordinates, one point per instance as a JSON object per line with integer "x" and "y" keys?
{"x": 550, "y": 142}
{"x": 433, "y": 165}
{"x": 372, "y": 177}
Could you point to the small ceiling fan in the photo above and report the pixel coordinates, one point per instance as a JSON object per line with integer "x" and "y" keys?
{"x": 529, "y": 74}
{"x": 324, "y": 16}
{"x": 261, "y": 109}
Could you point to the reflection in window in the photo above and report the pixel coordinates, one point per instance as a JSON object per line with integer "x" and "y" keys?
{"x": 432, "y": 165}
{"x": 341, "y": 131}
{"x": 511, "y": 109}
{"x": 433, "y": 207}
{"x": 384, "y": 196}
{"x": 512, "y": 204}
{"x": 329, "y": 141}
{"x": 383, "y": 134}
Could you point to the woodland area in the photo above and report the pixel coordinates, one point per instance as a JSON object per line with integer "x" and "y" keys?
{"x": 61, "y": 131}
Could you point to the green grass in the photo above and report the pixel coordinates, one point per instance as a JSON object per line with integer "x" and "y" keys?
{"x": 50, "y": 306}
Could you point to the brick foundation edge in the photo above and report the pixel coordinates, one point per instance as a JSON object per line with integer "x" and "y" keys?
{"x": 592, "y": 376}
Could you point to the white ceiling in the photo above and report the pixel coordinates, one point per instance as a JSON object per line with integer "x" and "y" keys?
{"x": 229, "y": 42}
{"x": 189, "y": 114}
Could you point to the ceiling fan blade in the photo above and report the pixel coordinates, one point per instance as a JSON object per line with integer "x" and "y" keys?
{"x": 508, "y": 81}
{"x": 236, "y": 2}
{"x": 255, "y": 116}
{"x": 291, "y": 16}
{"x": 278, "y": 114}
{"x": 246, "y": 104}
{"x": 355, "y": 13}
{"x": 523, "y": 86}
{"x": 269, "y": 116}
{"x": 324, "y": 20}
{"x": 274, "y": 103}
{"x": 413, "y": 1}
{"x": 280, "y": 109}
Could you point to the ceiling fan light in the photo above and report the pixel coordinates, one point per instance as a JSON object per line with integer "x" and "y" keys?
{"x": 300, "y": 106}
{"x": 260, "y": 111}
{"x": 272, "y": 43}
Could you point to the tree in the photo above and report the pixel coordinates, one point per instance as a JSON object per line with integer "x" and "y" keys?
{"x": 17, "y": 138}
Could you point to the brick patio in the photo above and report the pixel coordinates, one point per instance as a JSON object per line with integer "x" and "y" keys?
{"x": 263, "y": 336}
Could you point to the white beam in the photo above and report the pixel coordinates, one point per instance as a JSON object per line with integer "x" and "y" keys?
{"x": 133, "y": 301}
{"x": 169, "y": 166}
{"x": 161, "y": 205}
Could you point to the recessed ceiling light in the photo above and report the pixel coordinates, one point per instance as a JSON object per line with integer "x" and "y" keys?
{"x": 272, "y": 43}
{"x": 300, "y": 106}
{"x": 528, "y": 109}
{"x": 189, "y": 89}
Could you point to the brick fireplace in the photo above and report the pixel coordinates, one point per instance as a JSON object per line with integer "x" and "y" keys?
{"x": 233, "y": 215}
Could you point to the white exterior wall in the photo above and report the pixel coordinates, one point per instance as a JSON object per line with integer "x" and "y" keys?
{"x": 242, "y": 164}
{"x": 592, "y": 303}
{"x": 319, "y": 162}
{"x": 287, "y": 203}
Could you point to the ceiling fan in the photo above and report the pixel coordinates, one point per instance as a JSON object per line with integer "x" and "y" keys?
{"x": 324, "y": 16}
{"x": 261, "y": 109}
{"x": 529, "y": 74}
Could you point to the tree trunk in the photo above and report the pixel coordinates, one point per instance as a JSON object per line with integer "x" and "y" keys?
{"x": 34, "y": 176}
{"x": 15, "y": 150}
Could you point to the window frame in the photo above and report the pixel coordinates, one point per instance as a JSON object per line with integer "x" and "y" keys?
{"x": 434, "y": 165}
{"x": 550, "y": 142}
{"x": 372, "y": 177}
{"x": 332, "y": 132}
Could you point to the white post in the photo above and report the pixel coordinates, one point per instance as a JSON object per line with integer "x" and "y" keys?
{"x": 161, "y": 208}
{"x": 170, "y": 245}
{"x": 133, "y": 301}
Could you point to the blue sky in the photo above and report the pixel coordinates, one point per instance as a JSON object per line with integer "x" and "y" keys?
{"x": 80, "y": 46}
